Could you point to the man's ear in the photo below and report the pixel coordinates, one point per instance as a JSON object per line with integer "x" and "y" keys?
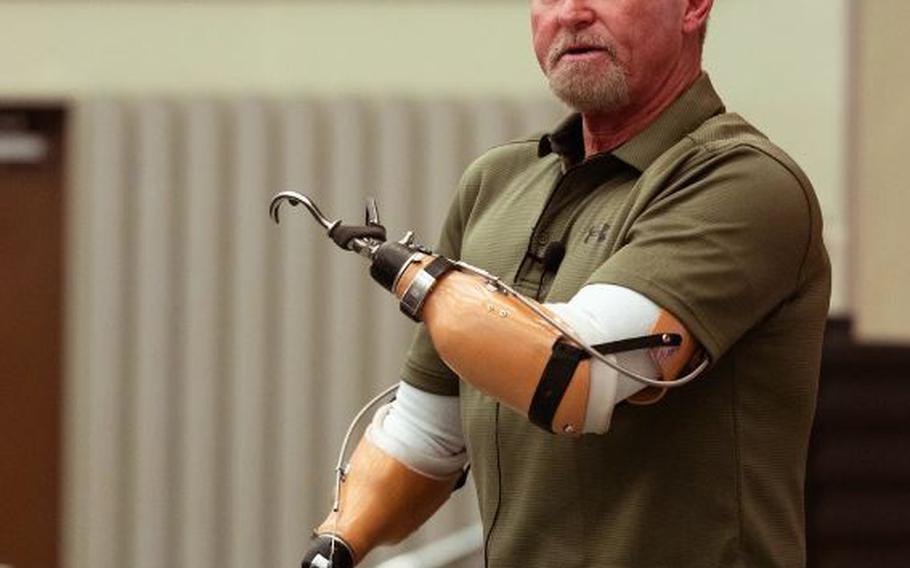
{"x": 696, "y": 15}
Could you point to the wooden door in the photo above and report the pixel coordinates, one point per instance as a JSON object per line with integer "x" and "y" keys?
{"x": 31, "y": 274}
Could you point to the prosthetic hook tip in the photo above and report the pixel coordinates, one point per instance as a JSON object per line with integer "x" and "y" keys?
{"x": 295, "y": 199}
{"x": 276, "y": 202}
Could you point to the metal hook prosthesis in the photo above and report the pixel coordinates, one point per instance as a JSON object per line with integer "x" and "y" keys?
{"x": 363, "y": 239}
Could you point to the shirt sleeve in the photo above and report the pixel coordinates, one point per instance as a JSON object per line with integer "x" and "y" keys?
{"x": 720, "y": 248}
{"x": 423, "y": 368}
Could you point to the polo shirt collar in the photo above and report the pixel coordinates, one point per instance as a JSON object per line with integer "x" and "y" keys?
{"x": 696, "y": 105}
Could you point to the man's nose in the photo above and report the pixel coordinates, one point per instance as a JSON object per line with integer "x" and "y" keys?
{"x": 576, "y": 14}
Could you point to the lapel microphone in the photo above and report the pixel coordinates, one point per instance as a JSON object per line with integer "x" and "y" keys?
{"x": 552, "y": 257}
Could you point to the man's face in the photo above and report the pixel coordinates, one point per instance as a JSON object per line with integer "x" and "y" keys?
{"x": 607, "y": 55}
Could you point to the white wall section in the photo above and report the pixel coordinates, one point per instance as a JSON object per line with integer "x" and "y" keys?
{"x": 784, "y": 66}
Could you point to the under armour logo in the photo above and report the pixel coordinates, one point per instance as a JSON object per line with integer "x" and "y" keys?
{"x": 598, "y": 232}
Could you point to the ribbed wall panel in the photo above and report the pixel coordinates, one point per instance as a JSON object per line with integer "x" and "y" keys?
{"x": 394, "y": 188}
{"x": 345, "y": 323}
{"x": 151, "y": 366}
{"x": 200, "y": 374}
{"x": 300, "y": 343}
{"x": 250, "y": 350}
{"x": 444, "y": 154}
{"x": 215, "y": 359}
{"x": 95, "y": 447}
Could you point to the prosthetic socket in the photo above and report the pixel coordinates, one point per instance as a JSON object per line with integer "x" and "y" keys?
{"x": 510, "y": 352}
{"x": 382, "y": 501}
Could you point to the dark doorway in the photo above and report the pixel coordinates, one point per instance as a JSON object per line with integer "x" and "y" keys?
{"x": 32, "y": 167}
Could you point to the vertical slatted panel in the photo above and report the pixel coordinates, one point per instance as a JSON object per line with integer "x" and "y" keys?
{"x": 215, "y": 359}
{"x": 348, "y": 315}
{"x": 444, "y": 153}
{"x": 248, "y": 371}
{"x": 199, "y": 376}
{"x": 301, "y": 343}
{"x": 96, "y": 341}
{"x": 393, "y": 187}
{"x": 537, "y": 115}
{"x": 75, "y": 423}
{"x": 492, "y": 124}
{"x": 150, "y": 408}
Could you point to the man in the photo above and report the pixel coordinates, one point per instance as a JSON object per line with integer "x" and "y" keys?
{"x": 670, "y": 217}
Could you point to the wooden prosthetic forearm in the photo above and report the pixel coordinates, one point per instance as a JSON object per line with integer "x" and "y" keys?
{"x": 382, "y": 501}
{"x": 497, "y": 344}
{"x": 500, "y": 346}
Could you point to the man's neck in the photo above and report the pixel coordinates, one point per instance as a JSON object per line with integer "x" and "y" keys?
{"x": 604, "y": 132}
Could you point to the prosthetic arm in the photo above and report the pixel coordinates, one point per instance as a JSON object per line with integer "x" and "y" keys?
{"x": 513, "y": 349}
{"x": 404, "y": 468}
{"x": 522, "y": 353}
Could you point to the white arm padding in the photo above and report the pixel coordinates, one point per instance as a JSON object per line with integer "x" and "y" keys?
{"x": 422, "y": 431}
{"x": 600, "y": 313}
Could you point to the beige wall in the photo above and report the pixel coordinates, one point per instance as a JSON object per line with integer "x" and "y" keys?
{"x": 783, "y": 65}
{"x": 421, "y": 48}
{"x": 880, "y": 197}
{"x": 778, "y": 62}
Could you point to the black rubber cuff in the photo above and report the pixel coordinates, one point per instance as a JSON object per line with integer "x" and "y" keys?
{"x": 390, "y": 260}
{"x": 439, "y": 266}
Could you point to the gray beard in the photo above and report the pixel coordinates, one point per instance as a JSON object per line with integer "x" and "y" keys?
{"x": 590, "y": 93}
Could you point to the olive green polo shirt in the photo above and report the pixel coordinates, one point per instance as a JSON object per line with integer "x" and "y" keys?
{"x": 711, "y": 221}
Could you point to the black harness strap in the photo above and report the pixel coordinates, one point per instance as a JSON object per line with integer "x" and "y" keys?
{"x": 553, "y": 383}
{"x": 643, "y": 342}
{"x": 557, "y": 375}
{"x": 439, "y": 266}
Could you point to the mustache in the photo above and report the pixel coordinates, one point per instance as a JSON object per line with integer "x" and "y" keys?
{"x": 567, "y": 41}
